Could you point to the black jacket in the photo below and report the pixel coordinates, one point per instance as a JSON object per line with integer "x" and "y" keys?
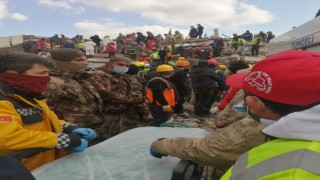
{"x": 203, "y": 78}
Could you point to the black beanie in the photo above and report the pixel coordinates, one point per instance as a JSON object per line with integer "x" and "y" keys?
{"x": 133, "y": 69}
{"x": 65, "y": 54}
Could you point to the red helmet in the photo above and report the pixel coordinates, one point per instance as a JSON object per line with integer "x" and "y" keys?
{"x": 213, "y": 61}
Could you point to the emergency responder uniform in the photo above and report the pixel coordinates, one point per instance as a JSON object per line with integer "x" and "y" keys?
{"x": 162, "y": 95}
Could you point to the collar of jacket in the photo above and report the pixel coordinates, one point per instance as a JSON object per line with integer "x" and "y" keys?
{"x": 8, "y": 91}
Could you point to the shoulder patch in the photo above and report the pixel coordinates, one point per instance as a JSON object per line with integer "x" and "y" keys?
{"x": 5, "y": 119}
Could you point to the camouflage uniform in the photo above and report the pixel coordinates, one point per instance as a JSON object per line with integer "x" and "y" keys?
{"x": 118, "y": 98}
{"x": 74, "y": 99}
{"x": 227, "y": 114}
{"x": 220, "y": 150}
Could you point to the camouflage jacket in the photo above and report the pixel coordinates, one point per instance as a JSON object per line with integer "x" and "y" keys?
{"x": 115, "y": 89}
{"x": 220, "y": 150}
{"x": 228, "y": 115}
{"x": 74, "y": 99}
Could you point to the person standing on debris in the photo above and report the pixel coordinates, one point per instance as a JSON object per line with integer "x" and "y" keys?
{"x": 88, "y": 46}
{"x": 26, "y": 121}
{"x": 238, "y": 44}
{"x": 247, "y": 36}
{"x": 96, "y": 39}
{"x": 70, "y": 94}
{"x": 256, "y": 42}
{"x": 114, "y": 87}
{"x": 162, "y": 95}
{"x": 269, "y": 36}
{"x": 202, "y": 83}
{"x": 180, "y": 80}
{"x": 217, "y": 46}
{"x": 193, "y": 32}
{"x": 199, "y": 31}
{"x": 272, "y": 95}
{"x": 149, "y": 40}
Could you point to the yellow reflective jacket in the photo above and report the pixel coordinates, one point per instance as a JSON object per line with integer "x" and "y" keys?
{"x": 19, "y": 133}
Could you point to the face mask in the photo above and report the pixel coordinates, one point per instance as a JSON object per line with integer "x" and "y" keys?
{"x": 31, "y": 84}
{"x": 266, "y": 122}
{"x": 120, "y": 69}
{"x": 253, "y": 116}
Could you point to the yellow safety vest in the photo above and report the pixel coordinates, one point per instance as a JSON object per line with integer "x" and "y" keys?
{"x": 278, "y": 159}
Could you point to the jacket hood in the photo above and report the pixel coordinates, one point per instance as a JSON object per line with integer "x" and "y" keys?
{"x": 303, "y": 125}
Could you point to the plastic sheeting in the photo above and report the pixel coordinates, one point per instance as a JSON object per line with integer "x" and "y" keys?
{"x": 125, "y": 156}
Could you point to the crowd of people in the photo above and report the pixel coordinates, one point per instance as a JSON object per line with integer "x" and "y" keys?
{"x": 53, "y": 102}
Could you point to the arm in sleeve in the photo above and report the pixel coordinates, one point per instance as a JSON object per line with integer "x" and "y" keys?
{"x": 157, "y": 87}
{"x": 220, "y": 81}
{"x": 103, "y": 84}
{"x": 221, "y": 149}
{"x": 227, "y": 98}
{"x": 13, "y": 136}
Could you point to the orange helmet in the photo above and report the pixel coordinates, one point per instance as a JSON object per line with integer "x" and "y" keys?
{"x": 212, "y": 61}
{"x": 182, "y": 63}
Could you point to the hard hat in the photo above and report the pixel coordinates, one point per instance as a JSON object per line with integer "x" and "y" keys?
{"x": 139, "y": 64}
{"x": 182, "y": 58}
{"x": 222, "y": 66}
{"x": 164, "y": 68}
{"x": 212, "y": 61}
{"x": 182, "y": 63}
{"x": 169, "y": 47}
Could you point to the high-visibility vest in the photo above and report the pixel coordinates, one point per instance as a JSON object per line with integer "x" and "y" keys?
{"x": 278, "y": 159}
{"x": 167, "y": 93}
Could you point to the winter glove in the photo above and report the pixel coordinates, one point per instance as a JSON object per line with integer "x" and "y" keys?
{"x": 82, "y": 147}
{"x": 86, "y": 133}
{"x": 156, "y": 154}
{"x": 167, "y": 108}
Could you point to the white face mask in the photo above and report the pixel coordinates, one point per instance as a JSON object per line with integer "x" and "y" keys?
{"x": 267, "y": 122}
{"x": 120, "y": 69}
{"x": 240, "y": 107}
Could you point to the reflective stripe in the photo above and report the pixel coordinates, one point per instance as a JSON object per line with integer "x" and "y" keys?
{"x": 303, "y": 159}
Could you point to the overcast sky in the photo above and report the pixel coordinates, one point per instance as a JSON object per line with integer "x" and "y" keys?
{"x": 109, "y": 17}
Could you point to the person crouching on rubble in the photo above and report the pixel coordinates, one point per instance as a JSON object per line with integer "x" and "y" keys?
{"x": 162, "y": 95}
{"x": 26, "y": 121}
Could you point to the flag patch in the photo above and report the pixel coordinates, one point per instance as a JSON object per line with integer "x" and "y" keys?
{"x": 6, "y": 118}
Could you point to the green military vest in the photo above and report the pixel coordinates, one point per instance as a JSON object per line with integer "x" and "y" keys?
{"x": 278, "y": 159}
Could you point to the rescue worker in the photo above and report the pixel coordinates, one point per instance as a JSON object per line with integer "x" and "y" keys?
{"x": 26, "y": 121}
{"x": 193, "y": 32}
{"x": 89, "y": 47}
{"x": 220, "y": 150}
{"x": 162, "y": 95}
{"x": 177, "y": 37}
{"x": 155, "y": 57}
{"x": 115, "y": 89}
{"x": 149, "y": 40}
{"x": 217, "y": 46}
{"x": 256, "y": 42}
{"x": 199, "y": 31}
{"x": 70, "y": 94}
{"x": 202, "y": 83}
{"x": 212, "y": 65}
{"x": 180, "y": 80}
{"x": 238, "y": 44}
{"x": 292, "y": 112}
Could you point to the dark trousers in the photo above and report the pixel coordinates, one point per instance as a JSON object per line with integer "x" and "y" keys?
{"x": 255, "y": 50}
{"x": 217, "y": 52}
{"x": 213, "y": 98}
{"x": 203, "y": 97}
{"x": 178, "y": 108}
{"x": 158, "y": 115}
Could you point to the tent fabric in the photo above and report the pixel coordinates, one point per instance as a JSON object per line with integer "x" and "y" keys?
{"x": 125, "y": 156}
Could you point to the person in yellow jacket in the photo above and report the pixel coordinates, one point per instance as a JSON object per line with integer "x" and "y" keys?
{"x": 292, "y": 111}
{"x": 26, "y": 122}
{"x": 238, "y": 44}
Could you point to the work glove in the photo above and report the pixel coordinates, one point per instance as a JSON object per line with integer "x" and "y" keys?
{"x": 86, "y": 133}
{"x": 156, "y": 154}
{"x": 167, "y": 108}
{"x": 82, "y": 147}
